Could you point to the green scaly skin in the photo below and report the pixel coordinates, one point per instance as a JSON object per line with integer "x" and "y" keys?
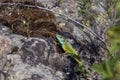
{"x": 69, "y": 49}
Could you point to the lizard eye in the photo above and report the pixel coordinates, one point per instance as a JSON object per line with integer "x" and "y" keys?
{"x": 61, "y": 38}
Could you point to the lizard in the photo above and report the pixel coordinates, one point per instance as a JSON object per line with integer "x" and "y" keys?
{"x": 67, "y": 47}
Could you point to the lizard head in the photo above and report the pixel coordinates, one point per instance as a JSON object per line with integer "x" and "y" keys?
{"x": 60, "y": 39}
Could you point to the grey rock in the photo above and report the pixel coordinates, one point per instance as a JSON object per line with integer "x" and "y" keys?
{"x": 6, "y": 47}
{"x": 39, "y": 59}
{"x": 47, "y": 3}
{"x": 17, "y": 39}
{"x": 2, "y": 76}
{"x": 70, "y": 8}
{"x": 36, "y": 60}
{"x": 4, "y": 30}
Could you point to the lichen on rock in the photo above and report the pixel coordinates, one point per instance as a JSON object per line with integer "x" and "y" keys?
{"x": 6, "y": 47}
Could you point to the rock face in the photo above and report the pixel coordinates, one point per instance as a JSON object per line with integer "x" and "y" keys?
{"x": 33, "y": 58}
{"x": 36, "y": 60}
{"x": 6, "y": 47}
{"x": 28, "y": 46}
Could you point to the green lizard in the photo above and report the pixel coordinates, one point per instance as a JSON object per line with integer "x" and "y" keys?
{"x": 68, "y": 48}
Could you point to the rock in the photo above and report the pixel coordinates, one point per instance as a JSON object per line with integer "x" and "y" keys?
{"x": 37, "y": 60}
{"x": 6, "y": 47}
{"x": 2, "y": 76}
{"x": 4, "y": 30}
{"x": 47, "y": 3}
{"x": 36, "y": 54}
{"x": 23, "y": 71}
{"x": 17, "y": 40}
{"x": 70, "y": 8}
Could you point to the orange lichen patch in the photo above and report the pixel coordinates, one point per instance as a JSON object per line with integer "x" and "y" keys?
{"x": 28, "y": 21}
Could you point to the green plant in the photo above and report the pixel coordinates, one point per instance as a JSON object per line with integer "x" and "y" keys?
{"x": 12, "y": 27}
{"x": 113, "y": 33}
{"x": 109, "y": 69}
{"x": 114, "y": 40}
{"x": 61, "y": 1}
{"x": 27, "y": 26}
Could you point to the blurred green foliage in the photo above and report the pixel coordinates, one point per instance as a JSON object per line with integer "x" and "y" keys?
{"x": 118, "y": 9}
{"x": 114, "y": 41}
{"x": 59, "y": 2}
{"x": 110, "y": 68}
{"x": 114, "y": 33}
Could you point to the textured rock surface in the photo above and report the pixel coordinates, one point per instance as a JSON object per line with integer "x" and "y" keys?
{"x": 32, "y": 59}
{"x": 35, "y": 55}
{"x": 4, "y": 30}
{"x": 36, "y": 59}
{"x": 6, "y": 47}
{"x": 25, "y": 71}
